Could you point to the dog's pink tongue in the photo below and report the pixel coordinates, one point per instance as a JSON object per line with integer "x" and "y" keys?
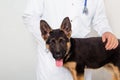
{"x": 59, "y": 63}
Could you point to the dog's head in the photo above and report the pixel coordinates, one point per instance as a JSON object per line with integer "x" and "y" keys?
{"x": 57, "y": 40}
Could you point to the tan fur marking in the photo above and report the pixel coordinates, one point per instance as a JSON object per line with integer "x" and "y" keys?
{"x": 68, "y": 48}
{"x": 68, "y": 45}
{"x": 45, "y": 37}
{"x": 80, "y": 77}
{"x": 71, "y": 66}
{"x": 47, "y": 46}
{"x": 114, "y": 70}
{"x": 69, "y": 34}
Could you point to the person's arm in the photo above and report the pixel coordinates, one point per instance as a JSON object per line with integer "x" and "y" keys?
{"x": 32, "y": 16}
{"x": 101, "y": 25}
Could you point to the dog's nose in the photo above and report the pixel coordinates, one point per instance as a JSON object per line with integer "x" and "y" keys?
{"x": 58, "y": 56}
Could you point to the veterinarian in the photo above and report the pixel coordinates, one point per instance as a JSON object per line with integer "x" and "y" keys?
{"x": 82, "y": 13}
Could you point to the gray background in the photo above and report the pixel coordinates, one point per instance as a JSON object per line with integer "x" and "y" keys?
{"x": 17, "y": 46}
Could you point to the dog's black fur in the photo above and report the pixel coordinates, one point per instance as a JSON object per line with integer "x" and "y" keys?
{"x": 85, "y": 52}
{"x": 91, "y": 52}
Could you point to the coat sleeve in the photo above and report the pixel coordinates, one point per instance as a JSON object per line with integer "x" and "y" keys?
{"x": 32, "y": 16}
{"x": 100, "y": 22}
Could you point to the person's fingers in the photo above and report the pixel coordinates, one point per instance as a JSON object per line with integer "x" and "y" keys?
{"x": 112, "y": 41}
{"x": 108, "y": 42}
{"x": 103, "y": 38}
{"x": 111, "y": 44}
{"x": 116, "y": 44}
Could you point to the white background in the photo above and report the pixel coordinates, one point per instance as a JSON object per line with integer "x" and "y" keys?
{"x": 17, "y": 46}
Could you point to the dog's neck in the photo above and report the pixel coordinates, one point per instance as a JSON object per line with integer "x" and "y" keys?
{"x": 68, "y": 53}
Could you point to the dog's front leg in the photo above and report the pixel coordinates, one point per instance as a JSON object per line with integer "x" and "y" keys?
{"x": 80, "y": 77}
{"x": 71, "y": 66}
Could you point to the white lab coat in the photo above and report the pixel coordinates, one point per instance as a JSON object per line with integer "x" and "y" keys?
{"x": 54, "y": 11}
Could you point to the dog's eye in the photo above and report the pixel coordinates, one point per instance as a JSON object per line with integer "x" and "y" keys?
{"x": 62, "y": 41}
{"x": 52, "y": 41}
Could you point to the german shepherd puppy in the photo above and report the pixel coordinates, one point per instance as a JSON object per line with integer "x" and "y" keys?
{"x": 78, "y": 53}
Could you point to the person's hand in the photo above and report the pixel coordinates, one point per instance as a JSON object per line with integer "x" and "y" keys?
{"x": 112, "y": 41}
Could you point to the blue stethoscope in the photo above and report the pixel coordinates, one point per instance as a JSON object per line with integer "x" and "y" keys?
{"x": 85, "y": 10}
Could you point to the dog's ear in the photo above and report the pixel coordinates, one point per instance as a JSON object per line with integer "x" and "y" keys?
{"x": 66, "y": 27}
{"x": 45, "y": 29}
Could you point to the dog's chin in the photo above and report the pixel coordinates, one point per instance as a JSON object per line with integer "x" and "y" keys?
{"x": 59, "y": 62}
